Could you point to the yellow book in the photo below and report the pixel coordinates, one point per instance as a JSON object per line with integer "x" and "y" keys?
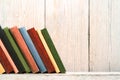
{"x": 48, "y": 51}
{"x": 2, "y": 70}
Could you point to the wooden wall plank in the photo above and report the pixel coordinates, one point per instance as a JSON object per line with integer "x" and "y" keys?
{"x": 28, "y": 13}
{"x": 105, "y": 30}
{"x": 67, "y": 23}
{"x": 100, "y": 49}
{"x": 115, "y": 34}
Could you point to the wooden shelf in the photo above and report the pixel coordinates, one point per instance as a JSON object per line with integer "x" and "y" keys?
{"x": 66, "y": 76}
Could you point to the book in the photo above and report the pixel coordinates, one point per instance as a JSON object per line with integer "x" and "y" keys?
{"x": 41, "y": 50}
{"x": 32, "y": 49}
{"x": 17, "y": 50}
{"x": 53, "y": 50}
{"x": 6, "y": 60}
{"x": 23, "y": 47}
{"x": 2, "y": 70}
{"x": 11, "y": 50}
{"x": 48, "y": 51}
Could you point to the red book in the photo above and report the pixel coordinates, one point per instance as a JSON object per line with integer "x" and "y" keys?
{"x": 41, "y": 50}
{"x": 22, "y": 45}
{"x": 6, "y": 60}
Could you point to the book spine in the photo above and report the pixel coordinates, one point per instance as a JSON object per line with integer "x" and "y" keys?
{"x": 48, "y": 51}
{"x": 16, "y": 49}
{"x": 53, "y": 50}
{"x": 2, "y": 70}
{"x": 32, "y": 49}
{"x": 21, "y": 43}
{"x": 41, "y": 50}
{"x": 10, "y": 50}
{"x": 6, "y": 60}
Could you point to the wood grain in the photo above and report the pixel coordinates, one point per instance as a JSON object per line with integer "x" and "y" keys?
{"x": 114, "y": 25}
{"x": 60, "y": 77}
{"x": 100, "y": 36}
{"x": 29, "y": 13}
{"x": 105, "y": 40}
{"x": 67, "y": 23}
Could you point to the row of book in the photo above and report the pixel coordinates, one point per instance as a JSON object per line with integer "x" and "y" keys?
{"x": 26, "y": 51}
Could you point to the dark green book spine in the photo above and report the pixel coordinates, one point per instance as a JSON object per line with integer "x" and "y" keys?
{"x": 53, "y": 50}
{"x": 16, "y": 49}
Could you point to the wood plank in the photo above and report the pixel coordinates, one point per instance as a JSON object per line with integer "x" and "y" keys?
{"x": 28, "y": 13}
{"x": 100, "y": 49}
{"x": 60, "y": 77}
{"x": 67, "y": 23}
{"x": 114, "y": 14}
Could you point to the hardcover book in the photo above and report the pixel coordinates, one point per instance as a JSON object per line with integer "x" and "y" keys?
{"x": 11, "y": 51}
{"x": 48, "y": 51}
{"x": 32, "y": 49}
{"x": 17, "y": 50}
{"x": 41, "y": 50}
{"x": 6, "y": 60}
{"x": 23, "y": 47}
{"x": 53, "y": 50}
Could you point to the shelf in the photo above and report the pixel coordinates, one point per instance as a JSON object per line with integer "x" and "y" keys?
{"x": 66, "y": 76}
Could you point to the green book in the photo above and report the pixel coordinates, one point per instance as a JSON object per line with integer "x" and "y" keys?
{"x": 16, "y": 49}
{"x": 53, "y": 50}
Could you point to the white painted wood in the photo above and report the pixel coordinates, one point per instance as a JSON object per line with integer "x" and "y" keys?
{"x": 105, "y": 32}
{"x": 114, "y": 14}
{"x": 100, "y": 48}
{"x": 67, "y": 23}
{"x": 61, "y": 77}
{"x": 28, "y": 13}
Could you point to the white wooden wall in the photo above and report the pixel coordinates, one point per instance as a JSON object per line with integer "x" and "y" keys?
{"x": 86, "y": 33}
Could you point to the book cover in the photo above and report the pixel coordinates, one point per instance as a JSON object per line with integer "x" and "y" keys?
{"x": 41, "y": 50}
{"x": 17, "y": 50}
{"x": 48, "y": 51}
{"x": 23, "y": 47}
{"x": 11, "y": 50}
{"x": 6, "y": 60}
{"x": 2, "y": 70}
{"x": 53, "y": 50}
{"x": 32, "y": 49}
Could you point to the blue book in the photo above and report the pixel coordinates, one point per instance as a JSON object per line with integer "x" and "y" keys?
{"x": 32, "y": 49}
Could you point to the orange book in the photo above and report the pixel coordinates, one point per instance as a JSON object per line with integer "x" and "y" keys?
{"x": 23, "y": 47}
{"x": 6, "y": 60}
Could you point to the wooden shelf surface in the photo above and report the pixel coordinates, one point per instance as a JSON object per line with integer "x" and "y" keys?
{"x": 66, "y": 76}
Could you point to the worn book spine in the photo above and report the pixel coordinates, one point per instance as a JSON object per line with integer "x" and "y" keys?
{"x": 22, "y": 45}
{"x": 53, "y": 50}
{"x": 32, "y": 49}
{"x": 17, "y": 50}
{"x": 6, "y": 60}
{"x": 2, "y": 70}
{"x": 41, "y": 50}
{"x": 48, "y": 51}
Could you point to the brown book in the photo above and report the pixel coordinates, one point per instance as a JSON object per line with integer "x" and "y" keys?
{"x": 41, "y": 50}
{"x": 6, "y": 60}
{"x": 23, "y": 47}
